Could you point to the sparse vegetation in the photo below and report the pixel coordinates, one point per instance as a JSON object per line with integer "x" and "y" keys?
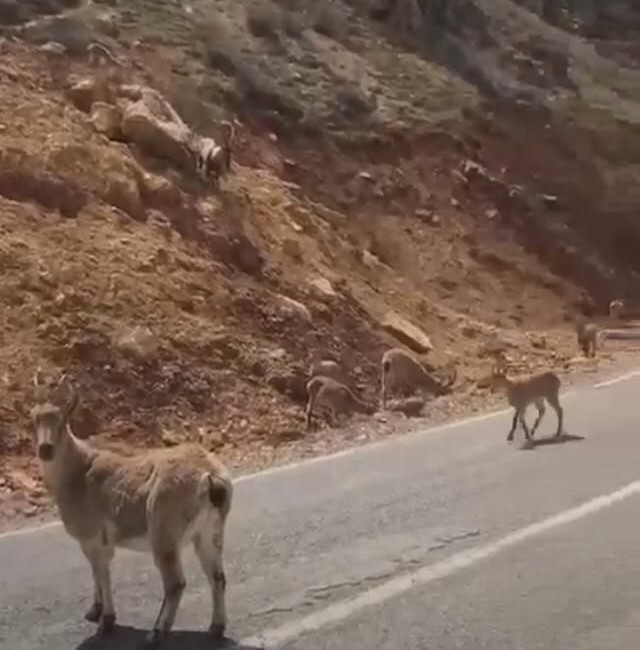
{"x": 371, "y": 176}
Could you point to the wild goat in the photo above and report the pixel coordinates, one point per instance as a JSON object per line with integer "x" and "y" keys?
{"x": 522, "y": 392}
{"x": 400, "y": 369}
{"x": 158, "y": 500}
{"x": 338, "y": 399}
{"x": 588, "y": 335}
{"x": 99, "y": 53}
{"x": 616, "y": 308}
{"x": 214, "y": 160}
{"x": 327, "y": 368}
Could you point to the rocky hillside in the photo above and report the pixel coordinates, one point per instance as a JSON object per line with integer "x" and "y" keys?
{"x": 462, "y": 175}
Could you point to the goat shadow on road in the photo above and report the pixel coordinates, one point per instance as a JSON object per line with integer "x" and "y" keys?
{"x": 552, "y": 440}
{"x": 130, "y": 638}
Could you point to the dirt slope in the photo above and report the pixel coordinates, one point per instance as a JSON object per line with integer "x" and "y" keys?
{"x": 379, "y": 176}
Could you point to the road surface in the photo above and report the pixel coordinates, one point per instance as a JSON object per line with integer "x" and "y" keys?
{"x": 449, "y": 539}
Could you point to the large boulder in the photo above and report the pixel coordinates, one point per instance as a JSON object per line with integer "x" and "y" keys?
{"x": 138, "y": 343}
{"x": 149, "y": 121}
{"x": 407, "y": 333}
{"x": 291, "y": 308}
{"x": 107, "y": 119}
{"x": 323, "y": 288}
{"x": 84, "y": 92}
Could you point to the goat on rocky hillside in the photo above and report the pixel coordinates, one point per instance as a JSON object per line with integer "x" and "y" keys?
{"x": 328, "y": 394}
{"x": 588, "y": 335}
{"x": 158, "y": 500}
{"x": 616, "y": 309}
{"x": 400, "y": 369}
{"x": 524, "y": 391}
{"x": 214, "y": 160}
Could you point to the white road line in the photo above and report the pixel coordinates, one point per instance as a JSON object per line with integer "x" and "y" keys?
{"x": 396, "y": 586}
{"x": 615, "y": 380}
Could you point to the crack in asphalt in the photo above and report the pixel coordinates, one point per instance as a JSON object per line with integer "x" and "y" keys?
{"x": 322, "y": 593}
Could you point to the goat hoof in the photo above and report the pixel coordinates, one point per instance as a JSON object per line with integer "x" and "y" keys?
{"x": 107, "y": 624}
{"x": 216, "y": 630}
{"x": 94, "y": 613}
{"x": 153, "y": 640}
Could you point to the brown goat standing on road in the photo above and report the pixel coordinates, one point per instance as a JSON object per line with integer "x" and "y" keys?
{"x": 588, "y": 335}
{"x": 158, "y": 500}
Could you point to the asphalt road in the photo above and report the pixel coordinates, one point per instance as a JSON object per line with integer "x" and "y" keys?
{"x": 449, "y": 539}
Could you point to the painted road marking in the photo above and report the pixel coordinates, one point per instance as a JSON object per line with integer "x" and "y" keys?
{"x": 339, "y": 611}
{"x": 616, "y": 380}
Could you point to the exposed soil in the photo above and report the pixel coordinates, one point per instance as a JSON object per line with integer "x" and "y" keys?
{"x": 187, "y": 313}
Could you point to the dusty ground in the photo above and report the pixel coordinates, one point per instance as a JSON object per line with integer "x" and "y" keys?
{"x": 341, "y": 211}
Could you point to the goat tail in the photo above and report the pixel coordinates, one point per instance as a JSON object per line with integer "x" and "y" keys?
{"x": 219, "y": 491}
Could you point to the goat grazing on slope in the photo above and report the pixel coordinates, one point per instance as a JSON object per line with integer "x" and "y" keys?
{"x": 327, "y": 393}
{"x": 158, "y": 500}
{"x": 588, "y": 335}
{"x": 524, "y": 391}
{"x": 214, "y": 160}
{"x": 616, "y": 308}
{"x": 400, "y": 369}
